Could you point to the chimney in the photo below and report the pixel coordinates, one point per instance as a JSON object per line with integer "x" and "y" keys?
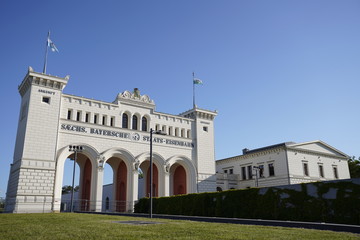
{"x": 245, "y": 150}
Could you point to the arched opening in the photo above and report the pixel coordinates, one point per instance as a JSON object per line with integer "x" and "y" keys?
{"x": 144, "y": 124}
{"x": 85, "y": 188}
{"x": 134, "y": 122}
{"x": 179, "y": 180}
{"x": 144, "y": 184}
{"x": 125, "y": 121}
{"x": 120, "y": 186}
{"x": 107, "y": 193}
{"x": 82, "y": 183}
{"x": 155, "y": 178}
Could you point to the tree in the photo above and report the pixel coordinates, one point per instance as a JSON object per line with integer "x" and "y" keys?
{"x": 354, "y": 167}
{"x": 67, "y": 189}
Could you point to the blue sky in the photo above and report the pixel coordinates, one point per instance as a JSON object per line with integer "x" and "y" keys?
{"x": 276, "y": 71}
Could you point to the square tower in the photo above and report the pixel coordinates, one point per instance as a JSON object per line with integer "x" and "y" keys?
{"x": 32, "y": 173}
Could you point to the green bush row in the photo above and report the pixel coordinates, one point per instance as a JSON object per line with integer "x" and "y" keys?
{"x": 335, "y": 202}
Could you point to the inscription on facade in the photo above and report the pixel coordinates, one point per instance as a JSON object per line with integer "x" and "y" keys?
{"x": 133, "y": 137}
{"x": 47, "y": 91}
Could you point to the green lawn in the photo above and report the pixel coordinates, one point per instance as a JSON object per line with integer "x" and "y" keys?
{"x": 89, "y": 226}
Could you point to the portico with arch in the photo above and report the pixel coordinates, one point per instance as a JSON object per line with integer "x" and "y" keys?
{"x": 115, "y": 134}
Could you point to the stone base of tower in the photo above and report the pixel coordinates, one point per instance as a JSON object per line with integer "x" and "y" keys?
{"x": 207, "y": 183}
{"x": 29, "y": 204}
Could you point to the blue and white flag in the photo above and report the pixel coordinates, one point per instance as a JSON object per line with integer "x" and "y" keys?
{"x": 197, "y": 81}
{"x": 52, "y": 45}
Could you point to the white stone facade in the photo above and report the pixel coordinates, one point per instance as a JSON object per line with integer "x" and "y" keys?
{"x": 282, "y": 164}
{"x": 51, "y": 121}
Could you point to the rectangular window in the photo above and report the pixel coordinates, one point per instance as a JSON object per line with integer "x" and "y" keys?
{"x": 335, "y": 172}
{"x": 306, "y": 170}
{"x": 112, "y": 120}
{"x": 95, "y": 118}
{"x": 46, "y": 100}
{"x": 271, "y": 169}
{"x": 243, "y": 173}
{"x": 69, "y": 114}
{"x": 249, "y": 168}
{"x": 321, "y": 171}
{"x": 87, "y": 117}
{"x": 225, "y": 171}
{"x": 104, "y": 120}
{"x": 205, "y": 129}
{"x": 231, "y": 171}
{"x": 78, "y": 116}
{"x": 261, "y": 170}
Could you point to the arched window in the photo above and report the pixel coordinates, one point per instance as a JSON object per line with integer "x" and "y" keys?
{"x": 134, "y": 122}
{"x": 144, "y": 124}
{"x": 125, "y": 120}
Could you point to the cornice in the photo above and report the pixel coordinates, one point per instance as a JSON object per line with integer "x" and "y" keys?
{"x": 251, "y": 155}
{"x": 40, "y": 79}
{"x": 199, "y": 113}
{"x": 311, "y": 152}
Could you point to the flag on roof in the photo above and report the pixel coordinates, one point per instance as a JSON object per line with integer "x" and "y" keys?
{"x": 52, "y": 46}
{"x": 197, "y": 81}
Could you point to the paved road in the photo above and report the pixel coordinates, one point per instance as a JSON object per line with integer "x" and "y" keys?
{"x": 276, "y": 223}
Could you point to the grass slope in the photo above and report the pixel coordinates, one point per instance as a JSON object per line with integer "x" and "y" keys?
{"x": 88, "y": 226}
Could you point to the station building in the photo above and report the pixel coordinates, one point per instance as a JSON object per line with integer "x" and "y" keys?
{"x": 282, "y": 164}
{"x": 115, "y": 133}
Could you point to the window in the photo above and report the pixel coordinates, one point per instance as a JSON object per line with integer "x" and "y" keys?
{"x": 104, "y": 120}
{"x": 157, "y": 127}
{"x": 321, "y": 171}
{"x": 95, "y": 118}
{"x": 335, "y": 172}
{"x": 306, "y": 170}
{"x": 163, "y": 129}
{"x": 188, "y": 134}
{"x": 271, "y": 169}
{"x": 182, "y": 132}
{"x": 261, "y": 170}
{"x": 46, "y": 100}
{"x": 87, "y": 115}
{"x": 176, "y": 132}
{"x": 107, "y": 203}
{"x": 125, "y": 120}
{"x": 249, "y": 168}
{"x": 243, "y": 173}
{"x": 144, "y": 124}
{"x": 134, "y": 122}
{"x": 69, "y": 114}
{"x": 205, "y": 129}
{"x": 170, "y": 131}
{"x": 231, "y": 171}
{"x": 225, "y": 171}
{"x": 112, "y": 120}
{"x": 78, "y": 116}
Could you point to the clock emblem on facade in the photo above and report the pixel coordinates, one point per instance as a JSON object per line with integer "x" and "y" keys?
{"x": 135, "y": 137}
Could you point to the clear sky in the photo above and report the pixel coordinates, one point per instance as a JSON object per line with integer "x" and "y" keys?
{"x": 276, "y": 71}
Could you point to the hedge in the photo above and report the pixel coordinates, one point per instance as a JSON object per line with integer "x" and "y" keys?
{"x": 333, "y": 202}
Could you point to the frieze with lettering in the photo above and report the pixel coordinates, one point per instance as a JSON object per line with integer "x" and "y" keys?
{"x": 131, "y": 136}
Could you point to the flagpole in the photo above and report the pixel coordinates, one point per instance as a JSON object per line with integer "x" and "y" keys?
{"x": 46, "y": 52}
{"x": 193, "y": 90}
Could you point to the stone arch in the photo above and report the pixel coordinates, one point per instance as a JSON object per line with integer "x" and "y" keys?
{"x": 120, "y": 183}
{"x": 160, "y": 164}
{"x": 62, "y": 155}
{"x": 190, "y": 170}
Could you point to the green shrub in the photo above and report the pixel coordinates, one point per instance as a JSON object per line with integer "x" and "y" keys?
{"x": 305, "y": 202}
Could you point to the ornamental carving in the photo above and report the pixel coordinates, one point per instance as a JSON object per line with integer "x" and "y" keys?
{"x": 135, "y": 96}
